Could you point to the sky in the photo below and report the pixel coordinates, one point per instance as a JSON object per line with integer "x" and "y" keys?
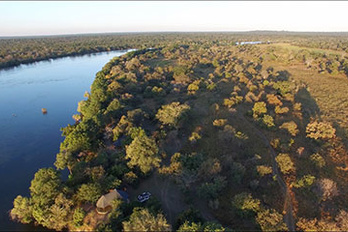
{"x": 75, "y": 17}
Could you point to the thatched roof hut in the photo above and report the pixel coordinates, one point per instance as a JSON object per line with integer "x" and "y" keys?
{"x": 104, "y": 204}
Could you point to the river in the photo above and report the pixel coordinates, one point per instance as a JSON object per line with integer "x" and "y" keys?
{"x": 29, "y": 139}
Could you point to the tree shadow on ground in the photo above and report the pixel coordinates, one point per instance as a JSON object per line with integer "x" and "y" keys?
{"x": 310, "y": 108}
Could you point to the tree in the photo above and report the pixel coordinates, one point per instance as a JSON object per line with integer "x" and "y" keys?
{"x": 143, "y": 152}
{"x": 210, "y": 190}
{"x": 60, "y": 212}
{"x": 63, "y": 160}
{"x": 208, "y": 226}
{"x": 79, "y": 215}
{"x": 326, "y": 189}
{"x": 305, "y": 181}
{"x": 22, "y": 210}
{"x": 291, "y": 127}
{"x": 268, "y": 121}
{"x": 320, "y": 130}
{"x": 45, "y": 187}
{"x": 264, "y": 170}
{"x": 285, "y": 164}
{"x": 318, "y": 160}
{"x": 271, "y": 220}
{"x": 89, "y": 192}
{"x": 273, "y": 100}
{"x": 172, "y": 113}
{"x": 142, "y": 220}
{"x": 245, "y": 204}
{"x": 190, "y": 215}
{"x": 259, "y": 109}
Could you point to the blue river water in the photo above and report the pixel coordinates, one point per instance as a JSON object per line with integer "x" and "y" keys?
{"x": 29, "y": 139}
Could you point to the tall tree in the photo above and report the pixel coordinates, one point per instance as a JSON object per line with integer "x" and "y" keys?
{"x": 143, "y": 152}
{"x": 143, "y": 220}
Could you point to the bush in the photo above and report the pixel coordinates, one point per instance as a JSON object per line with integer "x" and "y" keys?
{"x": 305, "y": 181}
{"x": 318, "y": 160}
{"x": 291, "y": 127}
{"x": 281, "y": 110}
{"x": 264, "y": 170}
{"x": 320, "y": 130}
{"x": 268, "y": 121}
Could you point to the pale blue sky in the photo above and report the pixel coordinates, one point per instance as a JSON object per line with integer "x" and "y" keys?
{"x": 67, "y": 17}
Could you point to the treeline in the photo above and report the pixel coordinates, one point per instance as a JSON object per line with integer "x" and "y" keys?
{"x": 22, "y": 50}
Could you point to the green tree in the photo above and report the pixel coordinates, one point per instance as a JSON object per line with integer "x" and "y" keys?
{"x": 211, "y": 190}
{"x": 318, "y": 160}
{"x": 271, "y": 220}
{"x": 320, "y": 130}
{"x": 60, "y": 211}
{"x": 268, "y": 121}
{"x": 291, "y": 127}
{"x": 264, "y": 170}
{"x": 285, "y": 164}
{"x": 143, "y": 152}
{"x": 305, "y": 181}
{"x": 206, "y": 227}
{"x": 245, "y": 204}
{"x": 259, "y": 109}
{"x": 45, "y": 187}
{"x": 88, "y": 192}
{"x": 172, "y": 113}
{"x": 78, "y": 216}
{"x": 142, "y": 220}
{"x": 22, "y": 210}
{"x": 65, "y": 160}
{"x": 190, "y": 226}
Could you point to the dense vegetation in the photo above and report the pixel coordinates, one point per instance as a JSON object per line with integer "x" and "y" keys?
{"x": 231, "y": 133}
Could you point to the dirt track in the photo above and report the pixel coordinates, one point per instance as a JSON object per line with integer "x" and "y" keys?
{"x": 288, "y": 208}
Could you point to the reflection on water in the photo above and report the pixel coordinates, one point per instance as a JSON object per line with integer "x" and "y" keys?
{"x": 29, "y": 140}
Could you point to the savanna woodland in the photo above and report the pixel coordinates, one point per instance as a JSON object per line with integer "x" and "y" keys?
{"x": 226, "y": 136}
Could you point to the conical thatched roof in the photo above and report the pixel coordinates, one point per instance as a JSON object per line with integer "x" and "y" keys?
{"x": 105, "y": 200}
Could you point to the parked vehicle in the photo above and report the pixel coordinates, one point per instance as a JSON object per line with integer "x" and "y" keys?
{"x": 144, "y": 196}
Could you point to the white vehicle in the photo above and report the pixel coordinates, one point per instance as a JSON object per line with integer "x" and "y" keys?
{"x": 144, "y": 196}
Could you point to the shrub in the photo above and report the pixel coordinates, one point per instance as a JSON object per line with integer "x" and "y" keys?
{"x": 268, "y": 121}
{"x": 318, "y": 160}
{"x": 291, "y": 127}
{"x": 219, "y": 122}
{"x": 320, "y": 130}
{"x": 305, "y": 181}
{"x": 264, "y": 170}
{"x": 281, "y": 110}
{"x": 273, "y": 100}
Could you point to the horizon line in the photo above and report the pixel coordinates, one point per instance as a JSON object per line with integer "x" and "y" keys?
{"x": 156, "y": 32}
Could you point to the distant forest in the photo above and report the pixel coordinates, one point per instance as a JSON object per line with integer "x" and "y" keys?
{"x": 22, "y": 50}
